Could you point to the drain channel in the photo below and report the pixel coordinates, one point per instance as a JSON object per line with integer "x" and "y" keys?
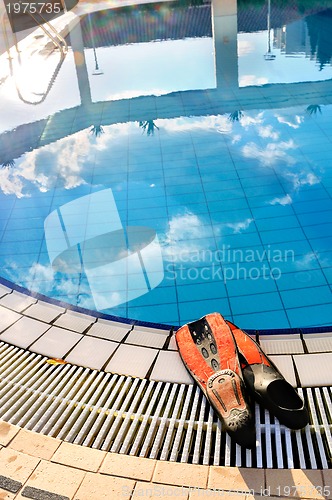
{"x": 147, "y": 418}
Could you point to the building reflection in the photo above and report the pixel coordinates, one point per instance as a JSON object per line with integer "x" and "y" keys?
{"x": 224, "y": 22}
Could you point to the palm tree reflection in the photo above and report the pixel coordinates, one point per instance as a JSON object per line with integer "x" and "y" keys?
{"x": 8, "y": 164}
{"x": 97, "y": 130}
{"x": 313, "y": 109}
{"x": 235, "y": 116}
{"x": 148, "y": 126}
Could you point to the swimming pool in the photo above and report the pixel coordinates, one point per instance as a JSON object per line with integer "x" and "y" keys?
{"x": 169, "y": 162}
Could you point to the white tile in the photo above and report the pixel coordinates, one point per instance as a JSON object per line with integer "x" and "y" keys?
{"x": 291, "y": 336}
{"x": 281, "y": 344}
{"x": 285, "y": 365}
{"x": 24, "y": 332}
{"x": 169, "y": 367}
{"x": 75, "y": 321}
{"x": 56, "y": 342}
{"x": 4, "y": 289}
{"x": 318, "y": 342}
{"x": 110, "y": 330}
{"x": 92, "y": 352}
{"x": 146, "y": 329}
{"x": 7, "y": 317}
{"x": 132, "y": 360}
{"x": 314, "y": 369}
{"x": 44, "y": 311}
{"x": 17, "y": 301}
{"x": 172, "y": 346}
{"x": 149, "y": 339}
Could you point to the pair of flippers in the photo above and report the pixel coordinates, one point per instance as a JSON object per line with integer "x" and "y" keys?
{"x": 232, "y": 370}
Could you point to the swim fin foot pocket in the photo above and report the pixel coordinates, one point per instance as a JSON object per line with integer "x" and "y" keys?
{"x": 226, "y": 393}
{"x": 267, "y": 385}
{"x": 271, "y": 390}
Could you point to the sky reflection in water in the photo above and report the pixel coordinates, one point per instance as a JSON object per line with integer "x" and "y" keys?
{"x": 237, "y": 205}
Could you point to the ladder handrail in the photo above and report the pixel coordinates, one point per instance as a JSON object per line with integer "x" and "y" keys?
{"x": 58, "y": 41}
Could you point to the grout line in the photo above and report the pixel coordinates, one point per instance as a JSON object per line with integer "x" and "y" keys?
{"x": 80, "y": 484}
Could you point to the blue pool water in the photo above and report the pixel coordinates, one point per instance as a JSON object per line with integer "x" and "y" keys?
{"x": 154, "y": 185}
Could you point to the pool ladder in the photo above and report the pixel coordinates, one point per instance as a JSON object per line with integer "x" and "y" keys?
{"x": 58, "y": 41}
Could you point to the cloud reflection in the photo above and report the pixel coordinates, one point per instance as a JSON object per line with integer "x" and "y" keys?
{"x": 283, "y": 200}
{"x": 239, "y": 227}
{"x": 186, "y": 235}
{"x": 303, "y": 178}
{"x": 272, "y": 154}
{"x": 293, "y": 121}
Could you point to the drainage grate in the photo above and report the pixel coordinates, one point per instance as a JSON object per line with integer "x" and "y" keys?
{"x": 148, "y": 418}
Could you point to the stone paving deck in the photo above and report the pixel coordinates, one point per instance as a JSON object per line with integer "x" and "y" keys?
{"x": 41, "y": 467}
